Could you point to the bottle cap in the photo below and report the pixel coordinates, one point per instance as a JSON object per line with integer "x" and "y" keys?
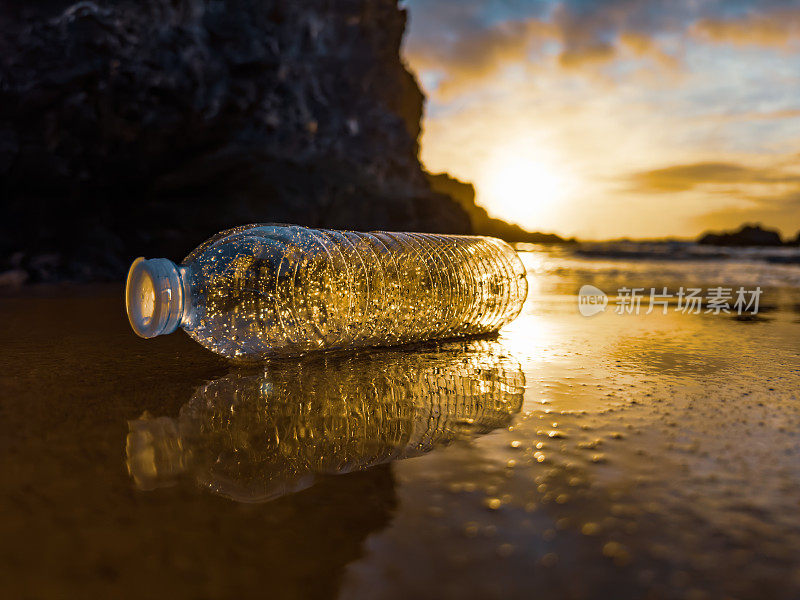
{"x": 154, "y": 296}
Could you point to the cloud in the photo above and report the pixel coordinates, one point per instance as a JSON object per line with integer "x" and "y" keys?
{"x": 627, "y": 44}
{"x": 679, "y": 178}
{"x": 462, "y": 59}
{"x": 468, "y": 50}
{"x": 752, "y": 115}
{"x": 644, "y": 46}
{"x": 468, "y": 40}
{"x": 586, "y": 55}
{"x": 777, "y": 28}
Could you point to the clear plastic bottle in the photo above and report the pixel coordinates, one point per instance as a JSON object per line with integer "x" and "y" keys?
{"x": 263, "y": 290}
{"x": 257, "y": 434}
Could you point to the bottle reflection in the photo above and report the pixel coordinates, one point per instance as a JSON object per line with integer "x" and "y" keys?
{"x": 257, "y": 435}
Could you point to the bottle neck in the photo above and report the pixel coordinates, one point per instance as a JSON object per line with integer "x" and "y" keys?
{"x": 157, "y": 296}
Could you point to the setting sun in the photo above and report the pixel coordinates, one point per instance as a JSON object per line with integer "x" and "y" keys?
{"x": 520, "y": 186}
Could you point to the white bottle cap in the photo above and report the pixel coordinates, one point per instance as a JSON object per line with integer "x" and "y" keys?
{"x": 154, "y": 296}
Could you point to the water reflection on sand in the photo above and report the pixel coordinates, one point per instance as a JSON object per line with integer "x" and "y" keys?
{"x": 255, "y": 435}
{"x": 656, "y": 456}
{"x": 650, "y": 456}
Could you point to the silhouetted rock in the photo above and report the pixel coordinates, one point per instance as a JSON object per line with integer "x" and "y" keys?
{"x": 144, "y": 126}
{"x": 482, "y": 223}
{"x": 747, "y": 235}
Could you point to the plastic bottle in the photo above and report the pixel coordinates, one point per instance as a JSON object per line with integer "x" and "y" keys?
{"x": 263, "y": 290}
{"x": 254, "y": 435}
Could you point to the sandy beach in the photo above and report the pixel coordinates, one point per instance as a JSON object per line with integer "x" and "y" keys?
{"x": 647, "y": 455}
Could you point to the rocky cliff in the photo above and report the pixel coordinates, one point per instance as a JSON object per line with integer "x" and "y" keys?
{"x": 144, "y": 126}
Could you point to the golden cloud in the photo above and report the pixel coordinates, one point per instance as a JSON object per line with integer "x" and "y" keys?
{"x": 481, "y": 51}
{"x": 643, "y": 45}
{"x": 777, "y": 28}
{"x": 583, "y": 56}
{"x": 678, "y": 178}
{"x": 461, "y": 61}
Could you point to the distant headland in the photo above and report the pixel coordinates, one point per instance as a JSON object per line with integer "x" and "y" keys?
{"x": 748, "y": 235}
{"x": 482, "y": 224}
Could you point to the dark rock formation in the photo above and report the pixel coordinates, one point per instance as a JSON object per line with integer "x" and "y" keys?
{"x": 747, "y": 235}
{"x": 482, "y": 223}
{"x": 144, "y": 126}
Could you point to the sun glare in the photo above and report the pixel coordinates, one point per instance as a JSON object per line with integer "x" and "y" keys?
{"x": 524, "y": 188}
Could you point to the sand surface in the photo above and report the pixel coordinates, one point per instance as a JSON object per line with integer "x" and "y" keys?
{"x": 617, "y": 456}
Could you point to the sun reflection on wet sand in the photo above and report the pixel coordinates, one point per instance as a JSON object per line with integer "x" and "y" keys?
{"x": 655, "y": 454}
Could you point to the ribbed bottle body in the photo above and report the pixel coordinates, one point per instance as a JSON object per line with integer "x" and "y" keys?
{"x": 266, "y": 290}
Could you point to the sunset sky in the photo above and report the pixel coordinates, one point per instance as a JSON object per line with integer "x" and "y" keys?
{"x": 615, "y": 118}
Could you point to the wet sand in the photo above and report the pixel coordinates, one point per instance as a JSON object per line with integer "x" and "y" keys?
{"x": 605, "y": 457}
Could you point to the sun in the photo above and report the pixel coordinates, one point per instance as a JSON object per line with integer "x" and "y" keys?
{"x": 523, "y": 187}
